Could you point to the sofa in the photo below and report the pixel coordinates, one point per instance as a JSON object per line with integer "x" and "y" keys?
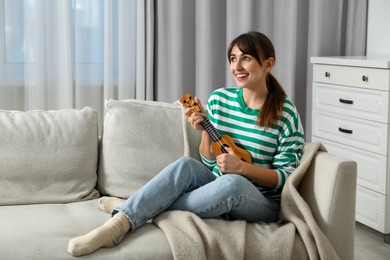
{"x": 55, "y": 165}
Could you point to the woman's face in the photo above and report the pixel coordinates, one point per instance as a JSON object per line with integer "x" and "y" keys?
{"x": 246, "y": 70}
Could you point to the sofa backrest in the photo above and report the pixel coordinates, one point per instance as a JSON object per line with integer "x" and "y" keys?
{"x": 139, "y": 139}
{"x": 48, "y": 156}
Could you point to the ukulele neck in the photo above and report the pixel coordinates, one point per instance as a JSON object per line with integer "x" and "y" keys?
{"x": 211, "y": 130}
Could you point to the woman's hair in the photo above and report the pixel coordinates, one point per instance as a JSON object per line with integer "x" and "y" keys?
{"x": 261, "y": 48}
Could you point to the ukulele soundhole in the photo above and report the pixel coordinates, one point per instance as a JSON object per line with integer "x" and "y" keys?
{"x": 224, "y": 151}
{"x": 223, "y": 148}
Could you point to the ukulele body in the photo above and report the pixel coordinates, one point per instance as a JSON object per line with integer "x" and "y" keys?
{"x": 227, "y": 141}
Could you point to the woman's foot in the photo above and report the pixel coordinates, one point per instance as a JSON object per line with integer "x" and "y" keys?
{"x": 107, "y": 204}
{"x": 108, "y": 235}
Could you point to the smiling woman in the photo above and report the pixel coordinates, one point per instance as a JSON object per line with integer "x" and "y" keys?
{"x": 222, "y": 185}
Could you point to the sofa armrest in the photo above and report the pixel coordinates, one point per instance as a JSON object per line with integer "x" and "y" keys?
{"x": 329, "y": 187}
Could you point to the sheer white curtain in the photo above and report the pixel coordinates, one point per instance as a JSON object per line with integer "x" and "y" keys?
{"x": 74, "y": 53}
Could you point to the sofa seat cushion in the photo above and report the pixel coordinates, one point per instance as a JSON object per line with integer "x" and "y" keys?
{"x": 43, "y": 231}
{"x": 48, "y": 156}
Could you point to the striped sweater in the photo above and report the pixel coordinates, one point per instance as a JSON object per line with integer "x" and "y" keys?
{"x": 277, "y": 147}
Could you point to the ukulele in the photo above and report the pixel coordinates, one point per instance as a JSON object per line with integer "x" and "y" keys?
{"x": 219, "y": 142}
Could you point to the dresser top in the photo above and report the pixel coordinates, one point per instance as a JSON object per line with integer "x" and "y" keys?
{"x": 358, "y": 61}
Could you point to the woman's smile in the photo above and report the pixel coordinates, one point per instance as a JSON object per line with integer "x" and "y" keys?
{"x": 242, "y": 76}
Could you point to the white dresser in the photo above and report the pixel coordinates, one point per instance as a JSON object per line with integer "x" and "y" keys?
{"x": 351, "y": 117}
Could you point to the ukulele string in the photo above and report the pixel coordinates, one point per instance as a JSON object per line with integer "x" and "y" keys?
{"x": 215, "y": 136}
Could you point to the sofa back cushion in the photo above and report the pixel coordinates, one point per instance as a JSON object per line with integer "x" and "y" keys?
{"x": 139, "y": 139}
{"x": 48, "y": 156}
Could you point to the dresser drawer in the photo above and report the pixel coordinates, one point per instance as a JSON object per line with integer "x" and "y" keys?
{"x": 351, "y": 101}
{"x": 371, "y": 208}
{"x": 363, "y": 134}
{"x": 371, "y": 167}
{"x": 370, "y": 78}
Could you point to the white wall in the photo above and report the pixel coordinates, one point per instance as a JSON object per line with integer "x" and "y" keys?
{"x": 378, "y": 28}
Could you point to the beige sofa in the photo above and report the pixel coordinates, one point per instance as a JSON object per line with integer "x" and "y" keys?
{"x": 53, "y": 168}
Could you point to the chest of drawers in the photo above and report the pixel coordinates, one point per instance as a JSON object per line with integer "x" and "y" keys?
{"x": 351, "y": 117}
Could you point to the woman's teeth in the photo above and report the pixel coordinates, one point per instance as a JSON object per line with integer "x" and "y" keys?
{"x": 242, "y": 75}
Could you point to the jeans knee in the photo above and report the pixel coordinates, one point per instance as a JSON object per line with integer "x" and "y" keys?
{"x": 189, "y": 173}
{"x": 185, "y": 166}
{"x": 186, "y": 160}
{"x": 233, "y": 182}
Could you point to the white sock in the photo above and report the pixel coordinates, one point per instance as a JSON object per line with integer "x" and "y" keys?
{"x": 108, "y": 235}
{"x": 107, "y": 204}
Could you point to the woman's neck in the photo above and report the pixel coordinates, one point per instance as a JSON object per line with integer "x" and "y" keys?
{"x": 255, "y": 98}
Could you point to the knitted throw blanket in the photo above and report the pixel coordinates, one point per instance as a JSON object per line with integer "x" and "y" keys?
{"x": 297, "y": 236}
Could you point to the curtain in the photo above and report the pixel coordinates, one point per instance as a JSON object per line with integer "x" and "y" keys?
{"x": 73, "y": 53}
{"x": 128, "y": 49}
{"x": 192, "y": 39}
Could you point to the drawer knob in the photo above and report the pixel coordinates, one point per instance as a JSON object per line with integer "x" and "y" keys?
{"x": 327, "y": 74}
{"x": 365, "y": 78}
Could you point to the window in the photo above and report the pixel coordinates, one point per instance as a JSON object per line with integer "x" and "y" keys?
{"x": 13, "y": 30}
{"x": 22, "y": 24}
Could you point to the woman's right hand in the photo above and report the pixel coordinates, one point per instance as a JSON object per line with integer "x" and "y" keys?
{"x": 194, "y": 117}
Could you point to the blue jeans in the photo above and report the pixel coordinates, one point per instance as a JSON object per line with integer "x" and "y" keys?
{"x": 188, "y": 185}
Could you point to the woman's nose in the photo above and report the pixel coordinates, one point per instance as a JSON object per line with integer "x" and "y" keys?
{"x": 237, "y": 65}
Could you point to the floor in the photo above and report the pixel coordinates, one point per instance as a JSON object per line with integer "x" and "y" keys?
{"x": 369, "y": 244}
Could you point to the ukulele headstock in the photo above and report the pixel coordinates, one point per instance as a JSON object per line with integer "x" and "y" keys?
{"x": 189, "y": 102}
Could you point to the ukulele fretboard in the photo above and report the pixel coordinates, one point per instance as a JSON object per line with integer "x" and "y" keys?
{"x": 210, "y": 129}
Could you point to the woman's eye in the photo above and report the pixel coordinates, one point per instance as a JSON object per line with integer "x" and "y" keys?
{"x": 232, "y": 59}
{"x": 246, "y": 58}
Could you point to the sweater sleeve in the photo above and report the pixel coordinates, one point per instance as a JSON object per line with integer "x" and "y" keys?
{"x": 209, "y": 163}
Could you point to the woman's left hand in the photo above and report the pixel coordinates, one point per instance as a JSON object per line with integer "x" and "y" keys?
{"x": 229, "y": 162}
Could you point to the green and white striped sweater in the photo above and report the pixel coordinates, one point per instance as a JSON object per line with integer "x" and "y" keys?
{"x": 276, "y": 147}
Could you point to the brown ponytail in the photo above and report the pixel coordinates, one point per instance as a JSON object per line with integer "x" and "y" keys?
{"x": 273, "y": 106}
{"x": 261, "y": 48}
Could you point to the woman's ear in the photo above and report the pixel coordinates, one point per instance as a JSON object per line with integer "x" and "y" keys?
{"x": 269, "y": 64}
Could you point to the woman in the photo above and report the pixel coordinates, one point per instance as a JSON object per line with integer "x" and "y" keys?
{"x": 260, "y": 119}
